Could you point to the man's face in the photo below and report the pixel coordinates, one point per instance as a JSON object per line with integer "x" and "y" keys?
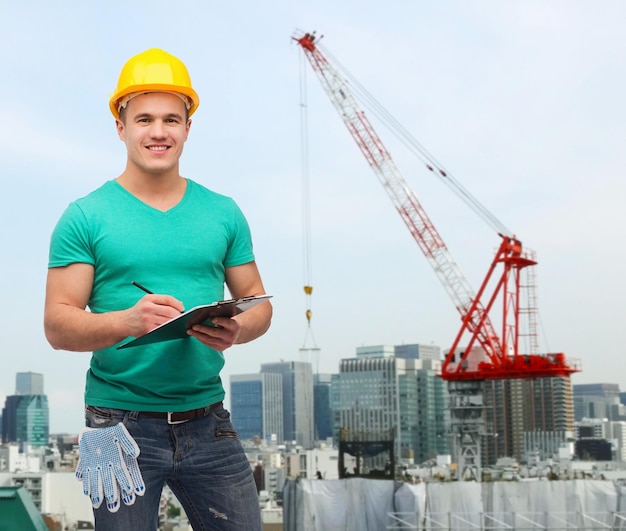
{"x": 154, "y": 129}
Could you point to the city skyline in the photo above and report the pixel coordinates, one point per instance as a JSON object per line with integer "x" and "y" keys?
{"x": 404, "y": 373}
{"x": 587, "y": 398}
{"x": 521, "y": 101}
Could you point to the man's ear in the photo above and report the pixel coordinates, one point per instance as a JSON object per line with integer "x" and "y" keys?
{"x": 119, "y": 125}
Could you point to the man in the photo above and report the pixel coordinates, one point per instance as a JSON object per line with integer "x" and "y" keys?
{"x": 157, "y": 408}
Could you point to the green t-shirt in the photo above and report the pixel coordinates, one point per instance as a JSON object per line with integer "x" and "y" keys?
{"x": 182, "y": 252}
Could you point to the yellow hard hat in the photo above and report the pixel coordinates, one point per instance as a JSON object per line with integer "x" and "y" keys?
{"x": 153, "y": 71}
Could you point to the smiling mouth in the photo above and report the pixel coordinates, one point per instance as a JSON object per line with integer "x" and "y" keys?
{"x": 158, "y": 148}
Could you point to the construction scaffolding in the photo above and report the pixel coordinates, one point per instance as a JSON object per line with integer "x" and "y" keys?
{"x": 358, "y": 504}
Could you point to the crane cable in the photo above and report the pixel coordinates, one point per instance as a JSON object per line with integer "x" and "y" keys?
{"x": 306, "y": 206}
{"x": 400, "y": 132}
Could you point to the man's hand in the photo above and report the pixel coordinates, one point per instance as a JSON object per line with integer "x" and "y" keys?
{"x": 222, "y": 335}
{"x": 69, "y": 326}
{"x": 150, "y": 312}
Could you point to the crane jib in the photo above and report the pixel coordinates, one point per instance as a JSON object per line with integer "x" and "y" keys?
{"x": 486, "y": 354}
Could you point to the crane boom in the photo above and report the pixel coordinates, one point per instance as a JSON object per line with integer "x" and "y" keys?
{"x": 497, "y": 355}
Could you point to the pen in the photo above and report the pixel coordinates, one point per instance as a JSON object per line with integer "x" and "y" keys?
{"x": 142, "y": 288}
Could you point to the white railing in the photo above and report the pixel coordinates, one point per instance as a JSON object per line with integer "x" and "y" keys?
{"x": 549, "y": 521}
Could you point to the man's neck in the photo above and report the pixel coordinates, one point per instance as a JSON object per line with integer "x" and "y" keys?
{"x": 160, "y": 191}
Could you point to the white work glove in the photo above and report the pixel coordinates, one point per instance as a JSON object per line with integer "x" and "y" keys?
{"x": 108, "y": 465}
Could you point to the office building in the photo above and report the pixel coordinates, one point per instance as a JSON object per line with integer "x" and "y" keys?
{"x": 598, "y": 401}
{"x": 32, "y": 420}
{"x": 256, "y": 406}
{"x": 618, "y": 437}
{"x": 387, "y": 389}
{"x": 335, "y": 405}
{"x": 9, "y": 419}
{"x": 297, "y": 400}
{"x": 29, "y": 383}
{"x": 322, "y": 408}
{"x": 418, "y": 352}
{"x": 25, "y": 416}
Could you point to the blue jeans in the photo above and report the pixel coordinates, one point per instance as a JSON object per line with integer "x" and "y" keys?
{"x": 201, "y": 460}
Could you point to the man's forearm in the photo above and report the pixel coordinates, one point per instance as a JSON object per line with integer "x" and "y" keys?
{"x": 254, "y": 322}
{"x": 77, "y": 330}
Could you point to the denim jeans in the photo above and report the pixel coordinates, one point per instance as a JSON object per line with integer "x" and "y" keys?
{"x": 201, "y": 460}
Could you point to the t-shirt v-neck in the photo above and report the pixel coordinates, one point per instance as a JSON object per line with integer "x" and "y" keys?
{"x": 167, "y": 212}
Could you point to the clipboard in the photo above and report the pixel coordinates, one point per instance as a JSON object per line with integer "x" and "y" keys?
{"x": 176, "y": 328}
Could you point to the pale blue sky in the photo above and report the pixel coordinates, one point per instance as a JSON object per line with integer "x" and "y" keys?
{"x": 521, "y": 100}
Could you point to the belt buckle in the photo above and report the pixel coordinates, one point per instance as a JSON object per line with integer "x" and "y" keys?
{"x": 170, "y": 421}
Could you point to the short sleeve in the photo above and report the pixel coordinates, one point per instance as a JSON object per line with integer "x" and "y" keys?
{"x": 70, "y": 241}
{"x": 240, "y": 249}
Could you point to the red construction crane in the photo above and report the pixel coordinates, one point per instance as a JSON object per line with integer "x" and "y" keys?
{"x": 486, "y": 355}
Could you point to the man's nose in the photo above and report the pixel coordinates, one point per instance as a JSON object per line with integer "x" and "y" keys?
{"x": 158, "y": 129}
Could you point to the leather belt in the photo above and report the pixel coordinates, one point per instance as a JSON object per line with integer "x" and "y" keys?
{"x": 178, "y": 417}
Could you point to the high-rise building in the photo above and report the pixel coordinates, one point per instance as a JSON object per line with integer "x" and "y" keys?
{"x": 516, "y": 407}
{"x": 606, "y": 390}
{"x": 335, "y": 404}
{"x": 418, "y": 352}
{"x": 598, "y": 401}
{"x": 322, "y": 408}
{"x": 33, "y": 425}
{"x": 29, "y": 383}
{"x": 9, "y": 419}
{"x": 25, "y": 416}
{"x": 297, "y": 399}
{"x": 256, "y": 405}
{"x": 390, "y": 389}
{"x": 618, "y": 435}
